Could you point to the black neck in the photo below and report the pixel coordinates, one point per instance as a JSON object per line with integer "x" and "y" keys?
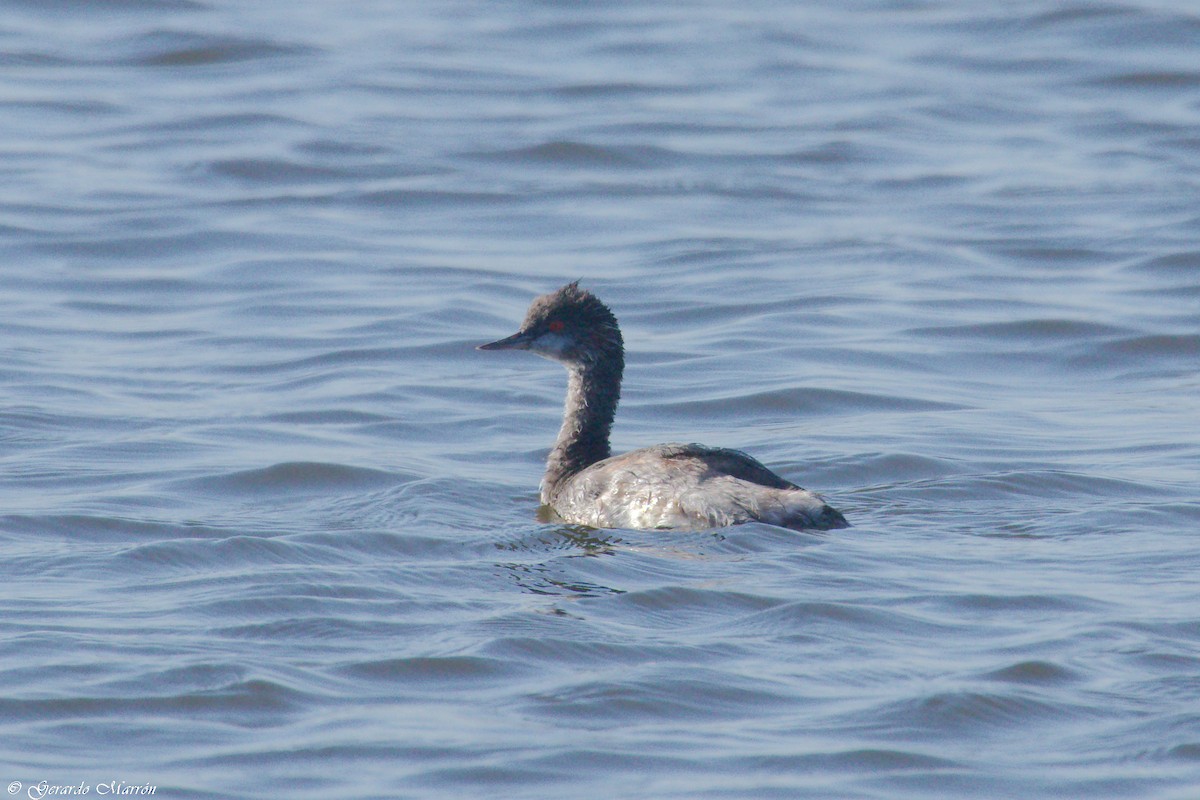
{"x": 593, "y": 390}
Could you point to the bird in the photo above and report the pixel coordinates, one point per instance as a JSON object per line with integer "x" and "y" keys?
{"x": 672, "y": 486}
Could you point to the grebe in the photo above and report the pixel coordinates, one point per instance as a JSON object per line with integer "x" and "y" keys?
{"x": 668, "y": 486}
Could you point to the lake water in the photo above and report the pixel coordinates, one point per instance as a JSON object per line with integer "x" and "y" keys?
{"x": 267, "y": 519}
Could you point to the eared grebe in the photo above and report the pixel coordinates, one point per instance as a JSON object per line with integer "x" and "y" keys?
{"x": 682, "y": 486}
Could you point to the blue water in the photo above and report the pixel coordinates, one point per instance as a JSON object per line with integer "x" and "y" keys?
{"x": 267, "y": 519}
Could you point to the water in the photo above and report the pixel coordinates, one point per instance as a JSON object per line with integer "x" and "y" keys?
{"x": 267, "y": 519}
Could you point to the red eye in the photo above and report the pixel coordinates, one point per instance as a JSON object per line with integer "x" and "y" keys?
{"x": 556, "y": 326}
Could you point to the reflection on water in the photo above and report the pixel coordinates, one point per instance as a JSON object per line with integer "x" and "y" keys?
{"x": 560, "y": 543}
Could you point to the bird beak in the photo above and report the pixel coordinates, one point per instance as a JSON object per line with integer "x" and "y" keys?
{"x": 518, "y": 341}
